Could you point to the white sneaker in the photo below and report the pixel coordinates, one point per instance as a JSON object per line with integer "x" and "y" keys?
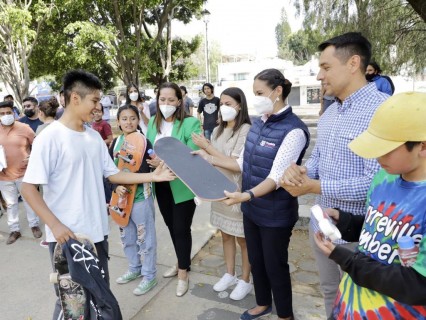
{"x": 225, "y": 282}
{"x": 241, "y": 290}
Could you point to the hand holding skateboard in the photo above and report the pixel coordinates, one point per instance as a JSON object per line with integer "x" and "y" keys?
{"x": 162, "y": 173}
{"x": 61, "y": 233}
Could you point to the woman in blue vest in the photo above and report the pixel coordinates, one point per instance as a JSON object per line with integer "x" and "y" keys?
{"x": 275, "y": 140}
{"x": 175, "y": 200}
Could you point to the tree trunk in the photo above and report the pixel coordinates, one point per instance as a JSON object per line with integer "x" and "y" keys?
{"x": 420, "y": 7}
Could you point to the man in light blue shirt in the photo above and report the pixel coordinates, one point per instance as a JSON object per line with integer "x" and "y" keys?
{"x": 339, "y": 177}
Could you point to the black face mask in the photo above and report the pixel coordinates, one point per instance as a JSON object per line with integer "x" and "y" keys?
{"x": 29, "y": 112}
{"x": 369, "y": 76}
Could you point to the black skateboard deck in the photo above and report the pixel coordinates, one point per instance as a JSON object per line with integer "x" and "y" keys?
{"x": 203, "y": 179}
{"x": 71, "y": 294}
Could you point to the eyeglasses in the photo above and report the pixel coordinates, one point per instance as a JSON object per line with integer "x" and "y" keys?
{"x": 97, "y": 111}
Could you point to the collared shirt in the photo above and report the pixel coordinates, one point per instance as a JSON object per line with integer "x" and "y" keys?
{"x": 289, "y": 151}
{"x": 344, "y": 176}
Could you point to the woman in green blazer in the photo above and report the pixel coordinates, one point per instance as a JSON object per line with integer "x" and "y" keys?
{"x": 175, "y": 200}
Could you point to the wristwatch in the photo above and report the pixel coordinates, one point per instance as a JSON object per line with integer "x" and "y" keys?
{"x": 250, "y": 194}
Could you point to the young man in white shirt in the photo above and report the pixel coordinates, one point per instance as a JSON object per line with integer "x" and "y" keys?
{"x": 69, "y": 160}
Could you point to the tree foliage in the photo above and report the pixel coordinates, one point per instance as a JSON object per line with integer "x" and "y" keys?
{"x": 20, "y": 25}
{"x": 128, "y": 40}
{"x": 296, "y": 46}
{"x": 396, "y": 31}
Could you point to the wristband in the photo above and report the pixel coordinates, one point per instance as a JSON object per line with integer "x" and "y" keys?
{"x": 251, "y": 194}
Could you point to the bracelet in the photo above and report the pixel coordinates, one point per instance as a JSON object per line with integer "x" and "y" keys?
{"x": 251, "y": 194}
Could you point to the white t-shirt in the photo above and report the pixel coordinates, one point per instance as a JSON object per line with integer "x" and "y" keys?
{"x": 70, "y": 165}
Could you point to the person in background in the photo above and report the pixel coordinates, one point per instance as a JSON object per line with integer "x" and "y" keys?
{"x": 209, "y": 108}
{"x": 383, "y": 83}
{"x": 16, "y": 111}
{"x": 135, "y": 99}
{"x": 153, "y": 104}
{"x": 121, "y": 101}
{"x": 338, "y": 177}
{"x": 47, "y": 112}
{"x": 187, "y": 102}
{"x": 61, "y": 104}
{"x": 275, "y": 140}
{"x": 100, "y": 125}
{"x": 30, "y": 106}
{"x": 228, "y": 139}
{"x": 106, "y": 107}
{"x": 16, "y": 139}
{"x": 175, "y": 200}
{"x": 326, "y": 101}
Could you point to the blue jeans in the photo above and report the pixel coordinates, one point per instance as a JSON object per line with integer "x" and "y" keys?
{"x": 208, "y": 134}
{"x": 139, "y": 239}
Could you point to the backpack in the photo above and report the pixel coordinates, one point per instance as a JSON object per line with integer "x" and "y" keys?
{"x": 390, "y": 82}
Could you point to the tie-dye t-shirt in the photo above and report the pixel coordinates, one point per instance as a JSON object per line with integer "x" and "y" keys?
{"x": 395, "y": 208}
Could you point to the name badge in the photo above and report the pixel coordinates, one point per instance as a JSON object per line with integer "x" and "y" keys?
{"x": 267, "y": 144}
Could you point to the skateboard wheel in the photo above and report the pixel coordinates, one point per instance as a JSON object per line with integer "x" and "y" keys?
{"x": 197, "y": 201}
{"x": 53, "y": 278}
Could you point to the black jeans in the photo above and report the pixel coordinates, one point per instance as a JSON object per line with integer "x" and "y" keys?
{"x": 102, "y": 249}
{"x": 268, "y": 255}
{"x": 178, "y": 218}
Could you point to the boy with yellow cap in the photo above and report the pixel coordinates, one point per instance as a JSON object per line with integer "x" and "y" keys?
{"x": 375, "y": 284}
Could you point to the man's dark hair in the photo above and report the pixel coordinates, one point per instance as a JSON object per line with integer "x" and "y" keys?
{"x": 411, "y": 144}
{"x": 6, "y": 104}
{"x": 81, "y": 82}
{"x": 349, "y": 44}
{"x": 9, "y": 96}
{"x": 33, "y": 100}
{"x": 208, "y": 85}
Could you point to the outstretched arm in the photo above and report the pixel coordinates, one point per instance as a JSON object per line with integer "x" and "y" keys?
{"x": 161, "y": 173}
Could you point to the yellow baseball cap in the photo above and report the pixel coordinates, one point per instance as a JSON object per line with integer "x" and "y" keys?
{"x": 399, "y": 119}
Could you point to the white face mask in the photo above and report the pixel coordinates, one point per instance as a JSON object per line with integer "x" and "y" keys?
{"x": 7, "y": 119}
{"x": 134, "y": 96}
{"x": 263, "y": 105}
{"x": 167, "y": 110}
{"x": 228, "y": 113}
